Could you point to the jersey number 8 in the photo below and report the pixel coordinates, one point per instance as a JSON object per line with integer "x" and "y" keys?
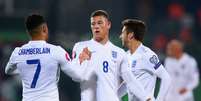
{"x": 105, "y": 66}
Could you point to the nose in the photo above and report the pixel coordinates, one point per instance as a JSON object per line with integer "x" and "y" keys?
{"x": 95, "y": 26}
{"x": 120, "y": 36}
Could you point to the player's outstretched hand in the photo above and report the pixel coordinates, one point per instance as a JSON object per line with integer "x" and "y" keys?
{"x": 84, "y": 55}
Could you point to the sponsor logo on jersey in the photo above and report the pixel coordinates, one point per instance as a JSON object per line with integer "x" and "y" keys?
{"x": 114, "y": 54}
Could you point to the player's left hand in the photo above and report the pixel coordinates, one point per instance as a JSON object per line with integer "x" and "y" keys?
{"x": 182, "y": 91}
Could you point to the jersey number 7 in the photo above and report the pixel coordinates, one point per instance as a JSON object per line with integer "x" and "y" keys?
{"x": 36, "y": 75}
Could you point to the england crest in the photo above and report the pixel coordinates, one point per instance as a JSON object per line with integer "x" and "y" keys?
{"x": 133, "y": 63}
{"x": 114, "y": 54}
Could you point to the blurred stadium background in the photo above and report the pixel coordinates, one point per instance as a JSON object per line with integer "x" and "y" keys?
{"x": 69, "y": 22}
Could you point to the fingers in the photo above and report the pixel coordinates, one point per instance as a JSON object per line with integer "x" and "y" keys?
{"x": 86, "y": 50}
{"x": 84, "y": 55}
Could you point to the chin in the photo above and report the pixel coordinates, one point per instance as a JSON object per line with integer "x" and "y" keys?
{"x": 98, "y": 39}
{"x": 124, "y": 45}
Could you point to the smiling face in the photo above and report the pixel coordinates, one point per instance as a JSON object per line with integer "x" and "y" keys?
{"x": 100, "y": 26}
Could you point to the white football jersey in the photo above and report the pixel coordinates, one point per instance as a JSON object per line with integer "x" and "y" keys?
{"x": 88, "y": 88}
{"x": 184, "y": 73}
{"x": 146, "y": 66}
{"x": 108, "y": 63}
{"x": 37, "y": 63}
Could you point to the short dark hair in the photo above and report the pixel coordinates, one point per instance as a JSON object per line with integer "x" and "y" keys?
{"x": 100, "y": 13}
{"x": 33, "y": 21}
{"x": 138, "y": 27}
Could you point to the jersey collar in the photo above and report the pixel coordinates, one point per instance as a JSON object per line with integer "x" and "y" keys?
{"x": 107, "y": 45}
{"x": 137, "y": 50}
{"x": 37, "y": 42}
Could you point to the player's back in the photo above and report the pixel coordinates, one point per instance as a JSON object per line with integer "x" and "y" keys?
{"x": 38, "y": 68}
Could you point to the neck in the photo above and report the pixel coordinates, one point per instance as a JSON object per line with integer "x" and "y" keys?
{"x": 133, "y": 46}
{"x": 37, "y": 37}
{"x": 104, "y": 41}
{"x": 178, "y": 55}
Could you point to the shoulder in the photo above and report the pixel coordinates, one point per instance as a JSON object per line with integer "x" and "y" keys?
{"x": 117, "y": 49}
{"x": 150, "y": 57}
{"x": 55, "y": 47}
{"x": 118, "y": 53}
{"x": 189, "y": 58}
{"x": 147, "y": 52}
{"x": 16, "y": 50}
{"x": 167, "y": 59}
{"x": 23, "y": 46}
{"x": 81, "y": 44}
{"x": 52, "y": 45}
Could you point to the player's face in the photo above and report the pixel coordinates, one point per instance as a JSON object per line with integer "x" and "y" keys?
{"x": 169, "y": 50}
{"x": 100, "y": 27}
{"x": 124, "y": 37}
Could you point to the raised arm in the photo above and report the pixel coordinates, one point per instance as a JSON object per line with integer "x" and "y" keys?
{"x": 11, "y": 67}
{"x": 74, "y": 68}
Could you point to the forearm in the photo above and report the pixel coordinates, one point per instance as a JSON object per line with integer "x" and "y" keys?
{"x": 76, "y": 71}
{"x": 134, "y": 86}
{"x": 194, "y": 82}
{"x": 122, "y": 90}
{"x": 165, "y": 83}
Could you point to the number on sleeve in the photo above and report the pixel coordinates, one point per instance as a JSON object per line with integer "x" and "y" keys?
{"x": 36, "y": 75}
{"x": 105, "y": 66}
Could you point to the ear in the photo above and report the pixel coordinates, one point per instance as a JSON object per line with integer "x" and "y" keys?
{"x": 44, "y": 28}
{"x": 130, "y": 35}
{"x": 109, "y": 24}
